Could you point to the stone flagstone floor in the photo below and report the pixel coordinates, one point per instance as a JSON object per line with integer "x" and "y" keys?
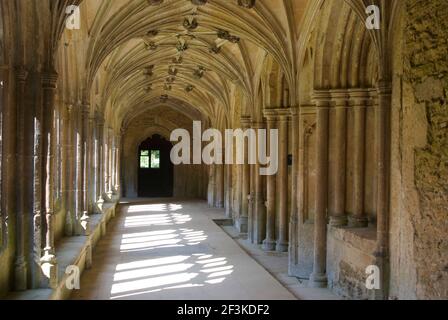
{"x": 168, "y": 249}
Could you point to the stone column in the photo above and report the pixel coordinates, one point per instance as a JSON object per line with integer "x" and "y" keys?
{"x": 245, "y": 188}
{"x": 219, "y": 186}
{"x": 20, "y": 265}
{"x": 294, "y": 215}
{"x": 211, "y": 185}
{"x": 105, "y": 164}
{"x": 64, "y": 160}
{"x": 250, "y": 204}
{"x": 382, "y": 134}
{"x": 113, "y": 151}
{"x": 38, "y": 215}
{"x": 93, "y": 136}
{"x": 118, "y": 149}
{"x": 109, "y": 164}
{"x": 71, "y": 172}
{"x": 337, "y": 212}
{"x": 2, "y": 88}
{"x": 238, "y": 193}
{"x": 259, "y": 198}
{"x": 48, "y": 261}
{"x": 85, "y": 139}
{"x": 358, "y": 101}
{"x": 78, "y": 169}
{"x": 228, "y": 191}
{"x": 270, "y": 242}
{"x": 100, "y": 164}
{"x": 318, "y": 278}
{"x": 282, "y": 188}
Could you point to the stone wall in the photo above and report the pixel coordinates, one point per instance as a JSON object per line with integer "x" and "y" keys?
{"x": 426, "y": 70}
{"x": 189, "y": 180}
{"x": 419, "y": 171}
{"x": 350, "y": 252}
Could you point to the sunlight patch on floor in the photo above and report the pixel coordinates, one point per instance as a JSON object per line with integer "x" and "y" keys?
{"x": 140, "y": 277}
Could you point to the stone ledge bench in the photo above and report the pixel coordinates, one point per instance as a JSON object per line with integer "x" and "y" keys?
{"x": 72, "y": 251}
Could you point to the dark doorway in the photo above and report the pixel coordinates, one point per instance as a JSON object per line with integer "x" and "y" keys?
{"x": 156, "y": 171}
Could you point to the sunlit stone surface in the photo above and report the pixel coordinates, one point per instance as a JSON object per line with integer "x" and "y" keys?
{"x": 174, "y": 250}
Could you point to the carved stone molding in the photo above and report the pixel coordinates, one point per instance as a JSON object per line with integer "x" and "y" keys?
{"x": 154, "y": 2}
{"x": 248, "y": 4}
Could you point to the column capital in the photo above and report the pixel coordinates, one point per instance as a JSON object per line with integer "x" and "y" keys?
{"x": 21, "y": 74}
{"x": 283, "y": 114}
{"x": 85, "y": 107}
{"x": 322, "y": 98}
{"x": 49, "y": 79}
{"x": 295, "y": 111}
{"x": 246, "y": 122}
{"x": 384, "y": 87}
{"x": 270, "y": 115}
{"x": 359, "y": 97}
{"x": 70, "y": 107}
{"x": 339, "y": 97}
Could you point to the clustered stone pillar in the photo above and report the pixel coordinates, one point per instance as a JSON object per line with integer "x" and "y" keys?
{"x": 49, "y": 261}
{"x": 70, "y": 192}
{"x": 294, "y": 215}
{"x": 100, "y": 164}
{"x": 245, "y": 189}
{"x": 259, "y": 205}
{"x": 85, "y": 219}
{"x": 211, "y": 185}
{"x": 79, "y": 170}
{"x": 38, "y": 214}
{"x": 219, "y": 186}
{"x": 358, "y": 101}
{"x": 20, "y": 266}
{"x": 93, "y": 134}
{"x": 338, "y": 216}
{"x": 228, "y": 191}
{"x": 238, "y": 194}
{"x": 113, "y": 161}
{"x": 282, "y": 188}
{"x": 270, "y": 242}
{"x": 382, "y": 132}
{"x": 251, "y": 200}
{"x": 318, "y": 278}
{"x": 118, "y": 164}
{"x": 110, "y": 153}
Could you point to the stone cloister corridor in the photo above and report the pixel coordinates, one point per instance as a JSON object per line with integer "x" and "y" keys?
{"x": 301, "y": 147}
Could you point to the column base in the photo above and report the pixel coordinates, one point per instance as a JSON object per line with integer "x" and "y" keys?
{"x": 269, "y": 245}
{"x": 355, "y": 222}
{"x": 318, "y": 280}
{"x": 242, "y": 224}
{"x": 20, "y": 275}
{"x": 338, "y": 221}
{"x": 100, "y": 205}
{"x": 110, "y": 195}
{"x": 282, "y": 247}
{"x": 219, "y": 204}
{"x": 85, "y": 223}
{"x": 68, "y": 228}
{"x": 49, "y": 267}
